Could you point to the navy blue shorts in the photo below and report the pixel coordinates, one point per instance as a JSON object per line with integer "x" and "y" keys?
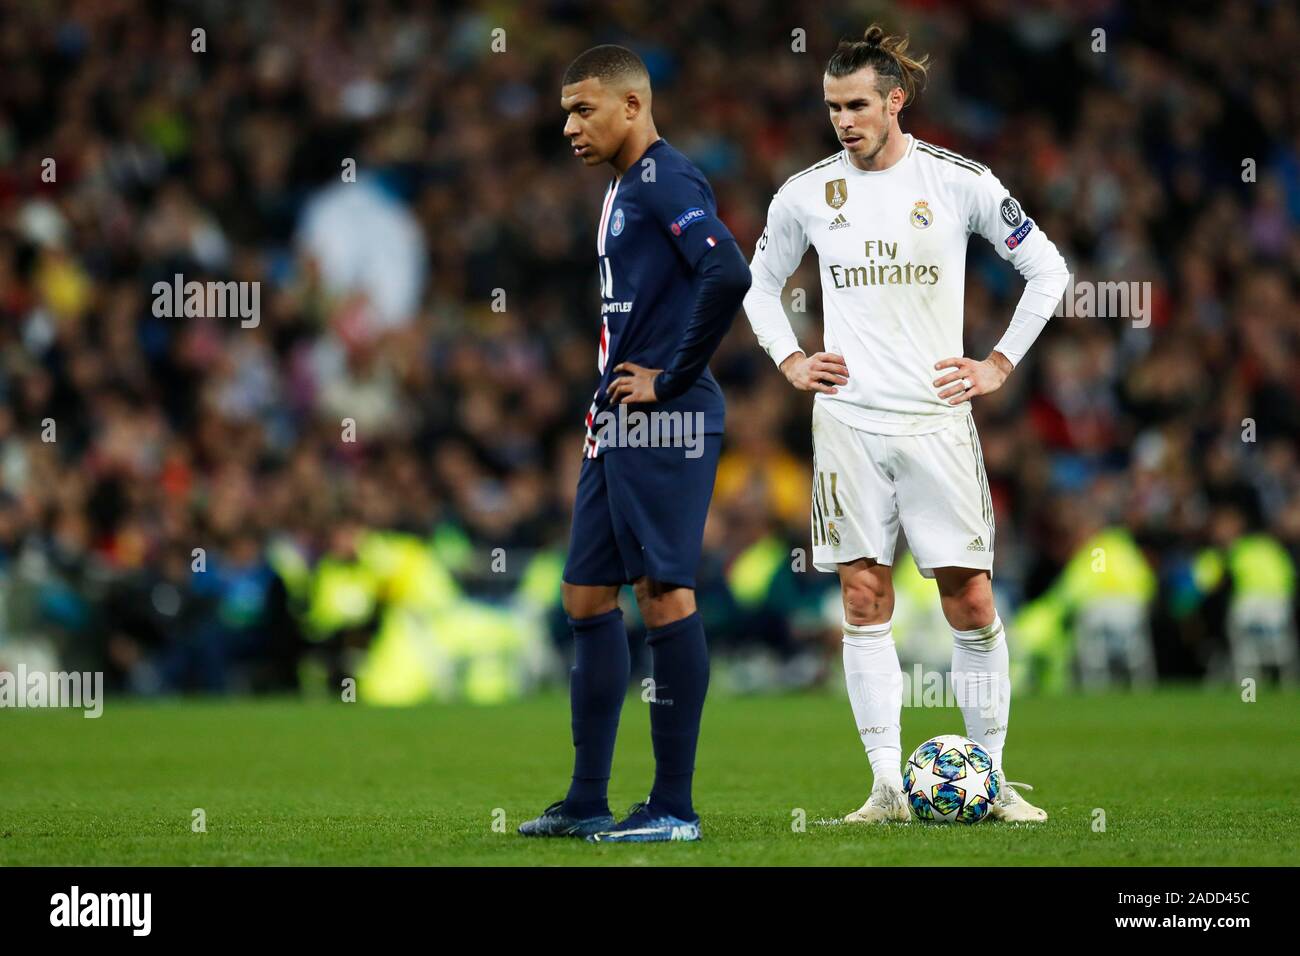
{"x": 640, "y": 512}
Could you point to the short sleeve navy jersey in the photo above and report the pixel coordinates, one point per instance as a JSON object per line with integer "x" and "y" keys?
{"x": 657, "y": 222}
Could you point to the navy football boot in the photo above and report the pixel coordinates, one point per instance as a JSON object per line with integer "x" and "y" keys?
{"x": 554, "y": 822}
{"x": 644, "y": 825}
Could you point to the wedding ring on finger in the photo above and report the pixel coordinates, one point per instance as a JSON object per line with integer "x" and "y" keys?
{"x": 966, "y": 384}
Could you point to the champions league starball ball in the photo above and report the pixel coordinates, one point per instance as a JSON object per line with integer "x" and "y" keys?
{"x": 950, "y": 779}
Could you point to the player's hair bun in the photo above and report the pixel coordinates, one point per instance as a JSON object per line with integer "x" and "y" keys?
{"x": 887, "y": 55}
{"x": 874, "y": 35}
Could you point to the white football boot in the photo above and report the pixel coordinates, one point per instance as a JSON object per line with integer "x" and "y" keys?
{"x": 1011, "y": 807}
{"x": 886, "y": 804}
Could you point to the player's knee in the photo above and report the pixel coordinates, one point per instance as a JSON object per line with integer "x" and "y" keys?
{"x": 970, "y": 608}
{"x": 867, "y": 599}
{"x": 582, "y": 601}
{"x": 660, "y": 605}
{"x": 642, "y": 591}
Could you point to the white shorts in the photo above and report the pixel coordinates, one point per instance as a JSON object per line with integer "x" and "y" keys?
{"x": 865, "y": 484}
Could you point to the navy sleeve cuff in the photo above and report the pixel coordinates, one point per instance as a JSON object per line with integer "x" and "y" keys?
{"x": 724, "y": 280}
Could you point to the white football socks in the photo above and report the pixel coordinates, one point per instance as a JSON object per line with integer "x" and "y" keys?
{"x": 875, "y": 683}
{"x": 981, "y": 682}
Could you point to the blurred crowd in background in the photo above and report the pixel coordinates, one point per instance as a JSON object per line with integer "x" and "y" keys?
{"x": 375, "y": 479}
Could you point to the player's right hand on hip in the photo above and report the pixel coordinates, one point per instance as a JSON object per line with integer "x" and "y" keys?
{"x": 819, "y": 372}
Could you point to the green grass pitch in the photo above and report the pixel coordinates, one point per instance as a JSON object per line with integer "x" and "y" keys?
{"x": 1183, "y": 776}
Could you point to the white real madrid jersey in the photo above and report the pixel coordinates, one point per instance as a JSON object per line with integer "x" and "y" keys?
{"x": 892, "y": 252}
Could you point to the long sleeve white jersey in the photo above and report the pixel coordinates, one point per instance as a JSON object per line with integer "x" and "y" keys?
{"x": 892, "y": 251}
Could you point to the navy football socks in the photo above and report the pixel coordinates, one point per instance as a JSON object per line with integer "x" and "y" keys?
{"x": 681, "y": 678}
{"x": 597, "y": 686}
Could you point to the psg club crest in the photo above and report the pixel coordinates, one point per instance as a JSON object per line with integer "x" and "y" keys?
{"x": 616, "y": 223}
{"x": 837, "y": 193}
{"x": 922, "y": 215}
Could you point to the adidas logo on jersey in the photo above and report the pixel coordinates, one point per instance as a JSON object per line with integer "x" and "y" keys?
{"x": 976, "y": 545}
{"x": 839, "y": 222}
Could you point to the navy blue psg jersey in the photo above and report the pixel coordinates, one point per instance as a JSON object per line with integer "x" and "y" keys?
{"x": 657, "y": 222}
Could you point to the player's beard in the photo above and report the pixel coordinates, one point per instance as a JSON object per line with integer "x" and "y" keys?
{"x": 880, "y": 144}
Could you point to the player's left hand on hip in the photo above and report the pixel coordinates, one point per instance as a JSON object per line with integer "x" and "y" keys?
{"x": 969, "y": 378}
{"x": 636, "y": 385}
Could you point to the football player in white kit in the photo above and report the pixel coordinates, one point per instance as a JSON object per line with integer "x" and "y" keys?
{"x": 893, "y": 438}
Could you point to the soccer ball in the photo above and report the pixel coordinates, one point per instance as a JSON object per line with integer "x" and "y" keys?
{"x": 949, "y": 779}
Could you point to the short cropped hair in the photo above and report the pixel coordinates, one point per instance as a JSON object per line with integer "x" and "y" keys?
{"x": 607, "y": 63}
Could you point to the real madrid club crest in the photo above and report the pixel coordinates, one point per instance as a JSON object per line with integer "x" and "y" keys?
{"x": 922, "y": 215}
{"x": 837, "y": 193}
{"x": 616, "y": 222}
{"x": 833, "y": 533}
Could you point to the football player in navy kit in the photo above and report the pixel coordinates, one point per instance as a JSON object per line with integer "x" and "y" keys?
{"x": 671, "y": 279}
